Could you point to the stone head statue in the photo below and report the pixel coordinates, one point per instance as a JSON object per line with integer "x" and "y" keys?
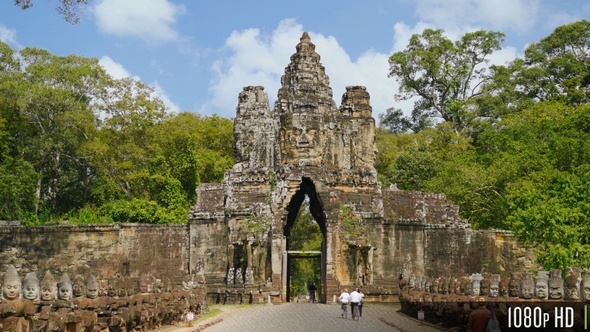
{"x": 504, "y": 287}
{"x": 476, "y": 279}
{"x": 65, "y": 290}
{"x": 494, "y": 285}
{"x": 143, "y": 284}
{"x": 555, "y": 285}
{"x": 572, "y": 283}
{"x": 514, "y": 284}
{"x": 527, "y": 286}
{"x": 11, "y": 287}
{"x": 484, "y": 287}
{"x": 112, "y": 288}
{"x": 92, "y": 288}
{"x": 465, "y": 286}
{"x": 541, "y": 285}
{"x": 31, "y": 287}
{"x": 586, "y": 284}
{"x": 79, "y": 286}
{"x": 48, "y": 287}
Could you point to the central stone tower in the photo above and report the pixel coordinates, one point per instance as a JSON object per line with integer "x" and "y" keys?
{"x": 305, "y": 146}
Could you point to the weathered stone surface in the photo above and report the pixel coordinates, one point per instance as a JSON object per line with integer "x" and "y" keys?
{"x": 308, "y": 147}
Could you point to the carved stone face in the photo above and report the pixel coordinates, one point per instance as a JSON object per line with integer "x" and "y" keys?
{"x": 11, "y": 289}
{"x": 527, "y": 290}
{"x": 65, "y": 291}
{"x": 586, "y": 291}
{"x": 494, "y": 290}
{"x": 31, "y": 290}
{"x": 92, "y": 290}
{"x": 572, "y": 292}
{"x": 46, "y": 292}
{"x": 143, "y": 286}
{"x": 541, "y": 289}
{"x": 555, "y": 290}
{"x": 301, "y": 138}
{"x": 78, "y": 289}
{"x": 513, "y": 289}
{"x": 475, "y": 288}
{"x": 484, "y": 289}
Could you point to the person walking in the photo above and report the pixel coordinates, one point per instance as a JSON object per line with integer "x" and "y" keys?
{"x": 361, "y": 302}
{"x": 312, "y": 289}
{"x": 344, "y": 298}
{"x": 478, "y": 318}
{"x": 355, "y": 299}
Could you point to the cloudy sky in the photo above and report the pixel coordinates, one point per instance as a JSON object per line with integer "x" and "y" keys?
{"x": 199, "y": 54}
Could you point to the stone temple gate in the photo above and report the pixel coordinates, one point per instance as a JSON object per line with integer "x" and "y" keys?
{"x": 307, "y": 146}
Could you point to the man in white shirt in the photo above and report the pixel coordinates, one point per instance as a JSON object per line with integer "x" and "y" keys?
{"x": 344, "y": 298}
{"x": 355, "y": 298}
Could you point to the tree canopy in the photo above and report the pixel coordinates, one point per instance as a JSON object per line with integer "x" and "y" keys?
{"x": 80, "y": 145}
{"x": 516, "y": 156}
{"x": 442, "y": 76}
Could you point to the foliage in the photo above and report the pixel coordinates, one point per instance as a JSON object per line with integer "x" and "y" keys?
{"x": 442, "y": 77}
{"x": 353, "y": 225}
{"x": 73, "y": 140}
{"x": 305, "y": 236}
{"x": 17, "y": 179}
{"x": 142, "y": 211}
{"x": 70, "y": 9}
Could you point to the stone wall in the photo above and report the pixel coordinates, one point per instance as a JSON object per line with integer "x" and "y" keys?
{"x": 102, "y": 250}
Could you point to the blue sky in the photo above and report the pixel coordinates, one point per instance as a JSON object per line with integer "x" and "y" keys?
{"x": 199, "y": 54}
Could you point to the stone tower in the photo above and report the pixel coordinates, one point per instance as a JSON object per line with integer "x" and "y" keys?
{"x": 306, "y": 147}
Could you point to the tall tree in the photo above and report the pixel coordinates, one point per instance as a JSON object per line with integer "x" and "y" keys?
{"x": 443, "y": 76}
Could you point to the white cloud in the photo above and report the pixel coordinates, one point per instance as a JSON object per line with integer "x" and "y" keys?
{"x": 150, "y": 20}
{"x": 258, "y": 59}
{"x": 7, "y": 35}
{"x": 117, "y": 71}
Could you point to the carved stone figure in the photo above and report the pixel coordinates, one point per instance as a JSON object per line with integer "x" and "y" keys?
{"x": 514, "y": 285}
{"x": 79, "y": 286}
{"x": 485, "y": 286}
{"x": 31, "y": 287}
{"x": 527, "y": 286}
{"x": 92, "y": 288}
{"x": 541, "y": 284}
{"x": 572, "y": 283}
{"x": 586, "y": 284}
{"x": 476, "y": 279}
{"x": 48, "y": 287}
{"x": 494, "y": 285}
{"x": 143, "y": 284}
{"x": 11, "y": 287}
{"x": 64, "y": 288}
{"x": 555, "y": 285}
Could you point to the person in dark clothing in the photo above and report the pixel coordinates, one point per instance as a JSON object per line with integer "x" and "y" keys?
{"x": 478, "y": 318}
{"x": 312, "y": 289}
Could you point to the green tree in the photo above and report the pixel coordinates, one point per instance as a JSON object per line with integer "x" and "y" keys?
{"x": 443, "y": 76}
{"x": 49, "y": 108}
{"x": 305, "y": 236}
{"x": 555, "y": 68}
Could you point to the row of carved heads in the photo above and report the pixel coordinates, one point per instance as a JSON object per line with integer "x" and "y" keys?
{"x": 47, "y": 289}
{"x": 545, "y": 285}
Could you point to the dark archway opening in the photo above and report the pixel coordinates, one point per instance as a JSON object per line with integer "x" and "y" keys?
{"x": 305, "y": 233}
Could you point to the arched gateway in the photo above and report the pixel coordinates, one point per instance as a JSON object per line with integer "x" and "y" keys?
{"x": 306, "y": 145}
